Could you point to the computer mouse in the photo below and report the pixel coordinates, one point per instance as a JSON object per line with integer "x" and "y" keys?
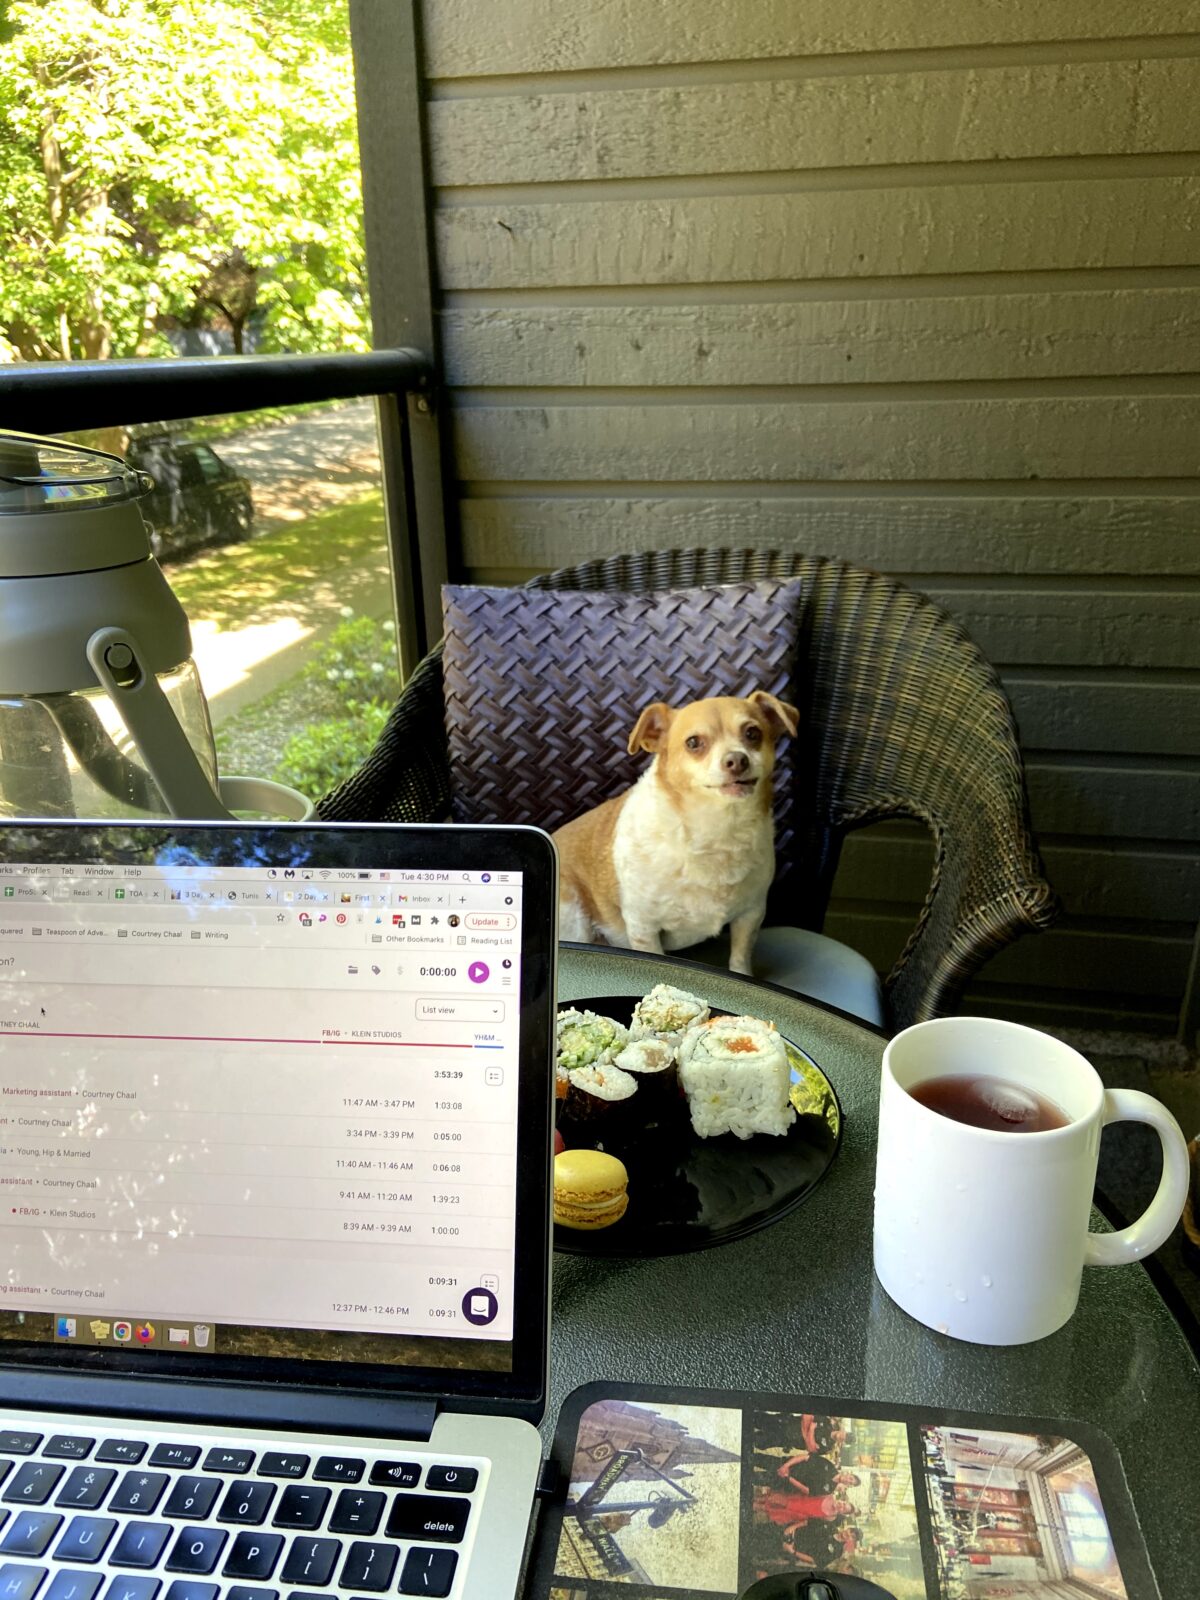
{"x": 809, "y": 1585}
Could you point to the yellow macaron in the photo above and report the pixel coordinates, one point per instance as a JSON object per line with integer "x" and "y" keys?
{"x": 589, "y": 1189}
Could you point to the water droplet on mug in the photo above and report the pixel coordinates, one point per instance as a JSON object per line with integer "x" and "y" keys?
{"x": 961, "y": 1188}
{"x": 960, "y": 1297}
{"x": 918, "y": 1277}
{"x": 986, "y": 1281}
{"x": 943, "y": 1327}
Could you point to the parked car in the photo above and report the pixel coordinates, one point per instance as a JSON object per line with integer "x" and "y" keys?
{"x": 197, "y": 500}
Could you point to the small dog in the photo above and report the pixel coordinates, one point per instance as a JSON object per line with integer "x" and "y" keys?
{"x": 691, "y": 846}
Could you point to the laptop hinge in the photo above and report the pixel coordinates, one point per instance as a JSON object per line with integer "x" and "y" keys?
{"x": 230, "y": 1405}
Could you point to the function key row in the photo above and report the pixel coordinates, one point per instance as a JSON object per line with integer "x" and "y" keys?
{"x": 35, "y": 1482}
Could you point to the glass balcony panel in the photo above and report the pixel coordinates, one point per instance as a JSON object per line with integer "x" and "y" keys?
{"x": 270, "y": 530}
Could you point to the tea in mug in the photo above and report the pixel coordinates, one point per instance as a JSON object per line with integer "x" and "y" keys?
{"x": 990, "y": 1103}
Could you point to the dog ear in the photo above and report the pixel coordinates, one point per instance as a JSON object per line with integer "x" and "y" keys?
{"x": 651, "y": 728}
{"x": 782, "y": 717}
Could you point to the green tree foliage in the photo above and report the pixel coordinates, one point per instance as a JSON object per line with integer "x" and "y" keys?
{"x": 192, "y": 161}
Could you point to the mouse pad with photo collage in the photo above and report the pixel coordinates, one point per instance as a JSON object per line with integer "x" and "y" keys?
{"x": 677, "y": 1494}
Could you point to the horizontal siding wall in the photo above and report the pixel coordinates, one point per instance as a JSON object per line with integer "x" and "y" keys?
{"x": 917, "y": 286}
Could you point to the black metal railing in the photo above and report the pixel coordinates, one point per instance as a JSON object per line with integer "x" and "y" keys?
{"x": 67, "y": 396}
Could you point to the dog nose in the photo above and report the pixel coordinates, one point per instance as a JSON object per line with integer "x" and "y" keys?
{"x": 735, "y": 762}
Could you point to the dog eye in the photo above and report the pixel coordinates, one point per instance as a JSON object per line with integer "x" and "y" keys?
{"x": 752, "y": 733}
{"x": 694, "y": 742}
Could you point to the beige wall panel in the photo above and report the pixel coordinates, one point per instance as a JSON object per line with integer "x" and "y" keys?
{"x": 1114, "y": 802}
{"x": 1155, "y": 435}
{"x": 1131, "y": 885}
{"x": 463, "y": 40}
{"x": 879, "y": 119}
{"x": 1155, "y": 716}
{"x": 1122, "y": 963}
{"x": 1079, "y": 627}
{"x": 753, "y": 238}
{"x": 1094, "y": 801}
{"x": 1136, "y": 534}
{"x": 1064, "y": 1008}
{"x": 897, "y": 340}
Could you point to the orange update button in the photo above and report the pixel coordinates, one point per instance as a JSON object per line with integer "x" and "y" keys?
{"x": 493, "y": 920}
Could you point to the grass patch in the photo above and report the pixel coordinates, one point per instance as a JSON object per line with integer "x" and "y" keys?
{"x": 319, "y": 560}
{"x": 320, "y": 726}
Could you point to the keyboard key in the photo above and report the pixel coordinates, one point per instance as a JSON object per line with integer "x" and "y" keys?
{"x": 311, "y": 1561}
{"x": 438, "y": 1518}
{"x": 86, "y": 1539}
{"x": 339, "y": 1469}
{"x": 397, "y": 1474}
{"x": 18, "y": 1444}
{"x": 20, "y": 1583}
{"x": 222, "y": 1459}
{"x": 369, "y": 1566}
{"x": 5, "y": 1468}
{"x": 86, "y": 1487}
{"x": 461, "y": 1480}
{"x": 196, "y": 1550}
{"x": 33, "y": 1485}
{"x": 300, "y": 1507}
{"x": 254, "y": 1555}
{"x": 139, "y": 1491}
{"x": 130, "y": 1451}
{"x": 193, "y": 1497}
{"x": 280, "y": 1464}
{"x": 140, "y": 1544}
{"x": 238, "y": 1591}
{"x": 175, "y": 1455}
{"x": 132, "y": 1588}
{"x": 428, "y": 1572}
{"x": 74, "y": 1586}
{"x": 246, "y": 1502}
{"x": 357, "y": 1511}
{"x": 69, "y": 1447}
{"x": 31, "y": 1534}
{"x": 189, "y": 1589}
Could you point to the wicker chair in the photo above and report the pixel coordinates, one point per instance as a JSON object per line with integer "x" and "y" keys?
{"x": 901, "y": 716}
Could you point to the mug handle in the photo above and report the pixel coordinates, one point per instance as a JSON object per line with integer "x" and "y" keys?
{"x": 1164, "y": 1211}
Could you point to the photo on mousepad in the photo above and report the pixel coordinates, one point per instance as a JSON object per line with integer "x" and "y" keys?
{"x": 1016, "y": 1514}
{"x": 653, "y": 1494}
{"x": 832, "y": 1493}
{"x": 675, "y": 1494}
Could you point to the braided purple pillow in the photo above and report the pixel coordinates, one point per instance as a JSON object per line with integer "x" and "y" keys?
{"x": 542, "y": 687}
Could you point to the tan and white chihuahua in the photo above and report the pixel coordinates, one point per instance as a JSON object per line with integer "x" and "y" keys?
{"x": 690, "y": 848}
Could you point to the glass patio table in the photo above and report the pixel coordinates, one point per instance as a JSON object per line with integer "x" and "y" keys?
{"x": 796, "y": 1309}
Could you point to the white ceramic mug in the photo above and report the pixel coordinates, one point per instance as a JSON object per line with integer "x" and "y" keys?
{"x": 984, "y": 1235}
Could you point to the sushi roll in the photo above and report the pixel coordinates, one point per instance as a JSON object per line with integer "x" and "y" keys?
{"x": 599, "y": 1097}
{"x": 666, "y": 1013}
{"x": 737, "y": 1078}
{"x": 651, "y": 1064}
{"x": 584, "y": 1040}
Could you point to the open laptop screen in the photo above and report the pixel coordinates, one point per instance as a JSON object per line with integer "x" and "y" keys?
{"x": 263, "y": 1094}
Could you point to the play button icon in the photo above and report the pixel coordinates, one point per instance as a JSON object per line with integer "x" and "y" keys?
{"x": 478, "y": 972}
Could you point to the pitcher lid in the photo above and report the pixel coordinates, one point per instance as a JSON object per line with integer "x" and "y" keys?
{"x": 44, "y": 481}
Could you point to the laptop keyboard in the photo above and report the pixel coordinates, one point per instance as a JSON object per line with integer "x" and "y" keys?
{"x": 136, "y": 1516}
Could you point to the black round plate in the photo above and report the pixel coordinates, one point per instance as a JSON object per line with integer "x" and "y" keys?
{"x": 688, "y": 1193}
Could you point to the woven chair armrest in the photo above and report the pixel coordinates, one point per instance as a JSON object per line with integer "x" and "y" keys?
{"x": 988, "y": 887}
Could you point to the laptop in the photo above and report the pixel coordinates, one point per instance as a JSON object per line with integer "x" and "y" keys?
{"x": 275, "y": 1124}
